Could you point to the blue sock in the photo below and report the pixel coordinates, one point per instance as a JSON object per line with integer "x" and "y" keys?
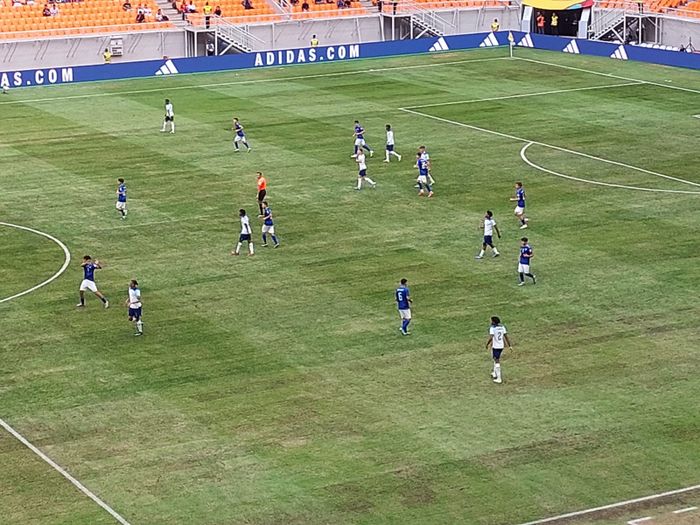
{"x": 265, "y": 238}
{"x": 429, "y": 188}
{"x": 274, "y": 239}
{"x": 420, "y": 186}
{"x": 367, "y": 147}
{"x": 404, "y": 325}
{"x": 246, "y": 145}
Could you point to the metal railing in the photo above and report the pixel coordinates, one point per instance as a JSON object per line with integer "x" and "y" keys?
{"x": 85, "y": 31}
{"x": 428, "y": 18}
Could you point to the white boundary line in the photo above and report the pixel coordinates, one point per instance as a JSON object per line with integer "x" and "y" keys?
{"x": 613, "y": 505}
{"x": 63, "y": 473}
{"x": 687, "y": 509}
{"x": 251, "y": 81}
{"x": 696, "y": 116}
{"x": 611, "y": 185}
{"x": 524, "y": 95}
{"x": 55, "y": 276}
{"x": 551, "y": 146}
{"x": 640, "y": 520}
{"x": 609, "y": 75}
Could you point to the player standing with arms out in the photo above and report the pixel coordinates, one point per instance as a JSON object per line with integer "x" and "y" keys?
{"x": 362, "y": 171}
{"x": 121, "y": 198}
{"x": 262, "y": 191}
{"x": 360, "y": 143}
{"x": 498, "y": 338}
{"x": 133, "y": 303}
{"x": 524, "y": 262}
{"x": 520, "y": 206}
{"x": 424, "y": 178}
{"x": 88, "y": 282}
{"x": 390, "y": 144}
{"x": 403, "y": 302}
{"x": 246, "y": 235}
{"x": 268, "y": 226}
{"x": 488, "y": 223}
{"x": 240, "y": 136}
{"x": 169, "y": 117}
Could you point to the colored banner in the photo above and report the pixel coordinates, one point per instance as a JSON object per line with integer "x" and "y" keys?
{"x": 558, "y": 5}
{"x": 175, "y": 66}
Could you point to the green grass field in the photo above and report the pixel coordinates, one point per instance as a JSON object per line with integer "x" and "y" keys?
{"x": 277, "y": 389}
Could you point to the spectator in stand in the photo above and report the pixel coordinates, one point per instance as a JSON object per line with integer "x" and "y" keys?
{"x": 191, "y": 8}
{"x": 247, "y": 4}
{"x": 17, "y": 3}
{"x": 217, "y": 11}
{"x": 46, "y": 11}
{"x": 140, "y": 16}
{"x": 341, "y": 4}
{"x": 147, "y": 11}
{"x": 348, "y": 4}
{"x": 294, "y": 2}
{"x": 183, "y": 9}
{"x": 160, "y": 17}
{"x": 540, "y": 23}
{"x": 54, "y": 10}
{"x": 304, "y": 6}
{"x": 126, "y": 6}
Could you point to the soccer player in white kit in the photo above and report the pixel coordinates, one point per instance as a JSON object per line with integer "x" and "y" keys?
{"x": 133, "y": 303}
{"x": 169, "y": 117}
{"x": 246, "y": 235}
{"x": 489, "y": 224}
{"x": 498, "y": 338}
{"x": 390, "y": 144}
{"x": 362, "y": 170}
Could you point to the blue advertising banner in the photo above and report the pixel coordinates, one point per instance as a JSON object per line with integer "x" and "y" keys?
{"x": 167, "y": 67}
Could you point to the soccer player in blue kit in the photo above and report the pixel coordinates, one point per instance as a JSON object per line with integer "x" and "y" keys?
{"x": 520, "y": 206}
{"x": 268, "y": 226}
{"x": 360, "y": 143}
{"x": 403, "y": 302}
{"x": 424, "y": 177}
{"x": 498, "y": 338}
{"x": 121, "y": 198}
{"x": 240, "y": 136}
{"x": 88, "y": 282}
{"x": 524, "y": 262}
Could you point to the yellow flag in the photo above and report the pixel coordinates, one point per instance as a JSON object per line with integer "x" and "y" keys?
{"x": 510, "y": 37}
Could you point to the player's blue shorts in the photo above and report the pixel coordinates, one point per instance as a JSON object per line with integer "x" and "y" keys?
{"x": 244, "y": 237}
{"x": 135, "y": 312}
{"x": 363, "y": 173}
{"x": 390, "y": 147}
{"x": 496, "y": 352}
{"x": 488, "y": 240}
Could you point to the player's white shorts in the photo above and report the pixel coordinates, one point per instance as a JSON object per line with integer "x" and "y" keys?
{"x": 239, "y": 138}
{"x": 268, "y": 229}
{"x": 518, "y": 210}
{"x": 523, "y": 268}
{"x": 405, "y": 314}
{"x": 88, "y": 285}
{"x": 424, "y": 179}
{"x": 359, "y": 142}
{"x": 121, "y": 205}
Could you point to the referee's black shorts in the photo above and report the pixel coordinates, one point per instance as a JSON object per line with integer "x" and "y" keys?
{"x": 261, "y": 195}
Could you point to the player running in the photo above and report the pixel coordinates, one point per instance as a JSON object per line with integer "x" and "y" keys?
{"x": 362, "y": 171}
{"x": 360, "y": 143}
{"x": 403, "y": 302}
{"x": 121, "y": 198}
{"x": 268, "y": 226}
{"x": 520, "y": 206}
{"x": 133, "y": 303}
{"x": 524, "y": 262}
{"x": 246, "y": 235}
{"x": 390, "y": 144}
{"x": 88, "y": 282}
{"x": 169, "y": 117}
{"x": 498, "y": 338}
{"x": 262, "y": 191}
{"x": 424, "y": 178}
{"x": 240, "y": 136}
{"x": 422, "y": 154}
{"x": 488, "y": 223}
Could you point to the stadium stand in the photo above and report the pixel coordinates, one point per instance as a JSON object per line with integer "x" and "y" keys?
{"x": 650, "y": 6}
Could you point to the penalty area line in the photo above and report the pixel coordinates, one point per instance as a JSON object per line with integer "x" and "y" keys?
{"x": 55, "y": 276}
{"x": 82, "y": 488}
{"x": 611, "y": 506}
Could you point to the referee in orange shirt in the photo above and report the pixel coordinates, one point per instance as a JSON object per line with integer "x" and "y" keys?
{"x": 262, "y": 191}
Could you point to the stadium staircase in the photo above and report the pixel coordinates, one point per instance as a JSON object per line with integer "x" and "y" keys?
{"x": 235, "y": 37}
{"x": 174, "y": 15}
{"x": 425, "y": 21}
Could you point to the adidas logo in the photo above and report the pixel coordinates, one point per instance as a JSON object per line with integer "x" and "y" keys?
{"x": 489, "y": 41}
{"x": 620, "y": 53}
{"x": 526, "y": 41}
{"x": 572, "y": 47}
{"x": 440, "y": 45}
{"x": 167, "y": 69}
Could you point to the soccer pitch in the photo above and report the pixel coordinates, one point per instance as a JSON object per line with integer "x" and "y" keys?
{"x": 276, "y": 389}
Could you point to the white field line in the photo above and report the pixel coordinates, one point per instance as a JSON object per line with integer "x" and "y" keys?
{"x": 687, "y": 509}
{"x": 551, "y": 146}
{"x": 610, "y": 75}
{"x": 63, "y": 473}
{"x": 611, "y": 185}
{"x": 55, "y": 276}
{"x": 696, "y": 116}
{"x": 640, "y": 520}
{"x": 613, "y": 505}
{"x": 524, "y": 95}
{"x": 252, "y": 81}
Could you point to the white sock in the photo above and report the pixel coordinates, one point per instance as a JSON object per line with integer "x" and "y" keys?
{"x": 359, "y": 183}
{"x": 369, "y": 180}
{"x": 481, "y": 253}
{"x": 172, "y": 124}
{"x": 497, "y": 370}
{"x": 395, "y": 154}
{"x": 238, "y": 247}
{"x": 495, "y": 251}
{"x": 163, "y": 128}
{"x": 387, "y": 156}
{"x": 139, "y": 326}
{"x": 251, "y": 249}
